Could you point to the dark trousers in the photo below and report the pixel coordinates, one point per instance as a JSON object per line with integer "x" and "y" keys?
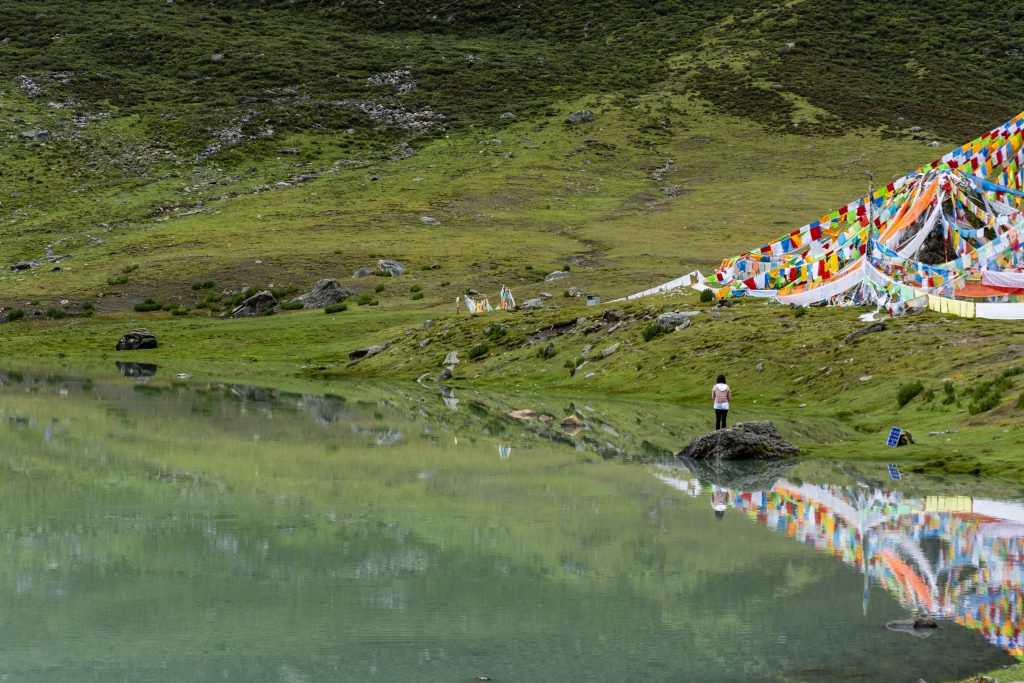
{"x": 720, "y": 415}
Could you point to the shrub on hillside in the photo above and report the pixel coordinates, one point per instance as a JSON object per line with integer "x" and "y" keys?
{"x": 479, "y": 351}
{"x": 653, "y": 331}
{"x": 15, "y": 314}
{"x": 148, "y": 306}
{"x": 336, "y": 308}
{"x": 707, "y": 296}
{"x": 906, "y": 393}
{"x": 291, "y": 305}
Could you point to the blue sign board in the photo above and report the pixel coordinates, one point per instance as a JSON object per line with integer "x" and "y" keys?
{"x": 894, "y": 472}
{"x": 894, "y": 437}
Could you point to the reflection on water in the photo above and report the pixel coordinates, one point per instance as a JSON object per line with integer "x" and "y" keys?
{"x": 955, "y": 557}
{"x": 168, "y": 529}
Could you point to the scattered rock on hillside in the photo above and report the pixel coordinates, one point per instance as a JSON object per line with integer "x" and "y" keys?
{"x": 427, "y": 324}
{"x": 139, "y": 338}
{"x": 28, "y": 86}
{"x": 257, "y": 304}
{"x": 425, "y": 343}
{"x": 613, "y": 316}
{"x": 675, "y": 320}
{"x": 217, "y": 58}
{"x": 359, "y": 354}
{"x": 429, "y": 220}
{"x": 393, "y": 268}
{"x": 445, "y": 374}
{"x": 451, "y": 359}
{"x": 575, "y": 292}
{"x": 22, "y": 265}
{"x": 557, "y": 275}
{"x": 534, "y": 304}
{"x": 610, "y": 350}
{"x": 745, "y": 441}
{"x": 364, "y": 272}
{"x": 37, "y": 135}
{"x": 869, "y": 329}
{"x": 326, "y": 292}
{"x": 507, "y": 116}
{"x": 289, "y": 150}
{"x": 581, "y": 116}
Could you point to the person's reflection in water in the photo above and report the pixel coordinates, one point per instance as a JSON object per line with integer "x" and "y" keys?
{"x": 719, "y": 500}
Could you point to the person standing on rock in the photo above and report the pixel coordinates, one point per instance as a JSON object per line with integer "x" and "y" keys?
{"x": 720, "y": 394}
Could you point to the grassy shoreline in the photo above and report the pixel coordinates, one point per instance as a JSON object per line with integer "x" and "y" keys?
{"x": 777, "y": 359}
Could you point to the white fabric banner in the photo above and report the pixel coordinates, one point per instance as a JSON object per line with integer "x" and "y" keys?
{"x": 826, "y": 291}
{"x": 999, "y": 311}
{"x": 1002, "y": 278}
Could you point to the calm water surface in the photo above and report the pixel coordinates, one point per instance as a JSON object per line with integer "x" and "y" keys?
{"x": 156, "y": 529}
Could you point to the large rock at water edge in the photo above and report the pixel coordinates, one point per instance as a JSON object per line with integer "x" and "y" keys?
{"x": 140, "y": 338}
{"x": 745, "y": 441}
{"x": 257, "y": 304}
{"x": 326, "y": 292}
{"x": 392, "y": 268}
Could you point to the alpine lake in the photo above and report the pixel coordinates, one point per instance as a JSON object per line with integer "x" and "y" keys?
{"x": 158, "y": 528}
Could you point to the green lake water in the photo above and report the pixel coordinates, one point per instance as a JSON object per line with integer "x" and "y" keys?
{"x": 161, "y": 529}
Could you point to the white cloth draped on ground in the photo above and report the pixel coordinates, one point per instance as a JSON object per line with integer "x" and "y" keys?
{"x": 692, "y": 279}
{"x": 1002, "y": 278}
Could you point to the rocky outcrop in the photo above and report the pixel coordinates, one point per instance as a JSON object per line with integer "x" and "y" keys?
{"x": 675, "y": 320}
{"x": 536, "y": 303}
{"x": 139, "y": 338}
{"x": 581, "y": 116}
{"x": 557, "y": 275}
{"x": 364, "y": 272}
{"x": 392, "y": 268}
{"x": 326, "y": 292}
{"x": 257, "y": 304}
{"x": 745, "y": 441}
{"x": 360, "y": 354}
{"x": 869, "y": 329}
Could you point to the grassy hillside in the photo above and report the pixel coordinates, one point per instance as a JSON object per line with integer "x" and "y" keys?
{"x": 183, "y": 154}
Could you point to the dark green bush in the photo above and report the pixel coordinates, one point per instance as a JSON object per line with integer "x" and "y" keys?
{"x": 206, "y": 284}
{"x": 496, "y": 332}
{"x": 291, "y": 305}
{"x": 379, "y": 288}
{"x": 983, "y": 404}
{"x": 15, "y": 314}
{"x": 707, "y": 295}
{"x": 336, "y": 308}
{"x": 547, "y": 351}
{"x": 417, "y": 296}
{"x": 800, "y": 312}
{"x": 653, "y": 331}
{"x": 950, "y": 391}
{"x": 479, "y": 351}
{"x": 117, "y": 280}
{"x": 180, "y": 311}
{"x": 906, "y": 393}
{"x": 54, "y": 313}
{"x": 364, "y": 299}
{"x": 130, "y": 269}
{"x": 415, "y": 288}
{"x": 148, "y": 306}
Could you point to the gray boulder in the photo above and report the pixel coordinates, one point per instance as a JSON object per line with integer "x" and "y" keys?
{"x": 674, "y": 320}
{"x": 22, "y": 265}
{"x": 359, "y": 354}
{"x": 873, "y": 327}
{"x": 557, "y": 275}
{"x": 364, "y": 272}
{"x": 393, "y": 268}
{"x": 326, "y": 292}
{"x": 575, "y": 292}
{"x": 429, "y": 220}
{"x": 451, "y": 359}
{"x": 745, "y": 441}
{"x": 139, "y": 338}
{"x": 257, "y": 304}
{"x": 534, "y": 304}
{"x": 37, "y": 135}
{"x": 445, "y": 374}
{"x": 507, "y": 116}
{"x": 581, "y": 116}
